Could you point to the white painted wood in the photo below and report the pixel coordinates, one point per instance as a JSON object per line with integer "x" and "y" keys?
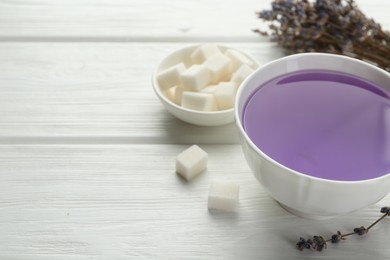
{"x": 118, "y": 201}
{"x": 147, "y": 20}
{"x": 89, "y": 91}
{"x": 151, "y": 19}
{"x": 87, "y": 151}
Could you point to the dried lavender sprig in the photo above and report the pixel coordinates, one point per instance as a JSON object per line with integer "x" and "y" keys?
{"x": 318, "y": 243}
{"x": 333, "y": 26}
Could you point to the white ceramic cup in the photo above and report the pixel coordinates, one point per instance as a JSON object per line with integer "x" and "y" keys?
{"x": 301, "y": 194}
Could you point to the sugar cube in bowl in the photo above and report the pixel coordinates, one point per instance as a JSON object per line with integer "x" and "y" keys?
{"x": 192, "y": 81}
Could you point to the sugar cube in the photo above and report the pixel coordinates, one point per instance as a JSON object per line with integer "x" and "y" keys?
{"x": 177, "y": 93}
{"x": 242, "y": 72}
{"x": 218, "y": 64}
{"x": 237, "y": 59}
{"x": 198, "y": 101}
{"x": 169, "y": 93}
{"x": 195, "y": 78}
{"x": 191, "y": 162}
{"x": 209, "y": 89}
{"x": 223, "y": 196}
{"x": 225, "y": 95}
{"x": 170, "y": 77}
{"x": 203, "y": 52}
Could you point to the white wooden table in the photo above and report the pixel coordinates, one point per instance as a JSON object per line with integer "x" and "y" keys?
{"x": 87, "y": 151}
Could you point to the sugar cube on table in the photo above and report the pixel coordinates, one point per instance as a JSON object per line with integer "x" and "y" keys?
{"x": 198, "y": 101}
{"x": 170, "y": 77}
{"x": 225, "y": 95}
{"x": 204, "y": 51}
{"x": 237, "y": 59}
{"x": 191, "y": 162}
{"x": 195, "y": 78}
{"x": 240, "y": 74}
{"x": 218, "y": 64}
{"x": 223, "y": 196}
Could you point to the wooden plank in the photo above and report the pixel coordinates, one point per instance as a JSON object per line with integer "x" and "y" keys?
{"x": 153, "y": 20}
{"x": 95, "y": 93}
{"x": 125, "y": 201}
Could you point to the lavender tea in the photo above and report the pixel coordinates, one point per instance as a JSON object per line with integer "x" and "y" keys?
{"x": 322, "y": 123}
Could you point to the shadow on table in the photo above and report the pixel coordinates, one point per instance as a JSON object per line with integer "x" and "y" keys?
{"x": 179, "y": 132}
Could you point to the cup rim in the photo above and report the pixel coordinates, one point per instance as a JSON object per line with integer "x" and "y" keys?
{"x": 238, "y": 115}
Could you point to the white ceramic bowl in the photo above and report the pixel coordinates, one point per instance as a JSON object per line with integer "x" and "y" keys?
{"x": 213, "y": 118}
{"x": 302, "y": 194}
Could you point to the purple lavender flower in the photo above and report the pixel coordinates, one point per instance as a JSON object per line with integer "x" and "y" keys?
{"x": 319, "y": 243}
{"x": 337, "y": 237}
{"x": 329, "y": 26}
{"x": 304, "y": 244}
{"x": 360, "y": 231}
{"x": 386, "y": 210}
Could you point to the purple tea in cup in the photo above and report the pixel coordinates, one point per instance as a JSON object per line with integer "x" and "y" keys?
{"x": 322, "y": 123}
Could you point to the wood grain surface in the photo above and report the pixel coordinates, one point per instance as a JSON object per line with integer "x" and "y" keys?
{"x": 87, "y": 152}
